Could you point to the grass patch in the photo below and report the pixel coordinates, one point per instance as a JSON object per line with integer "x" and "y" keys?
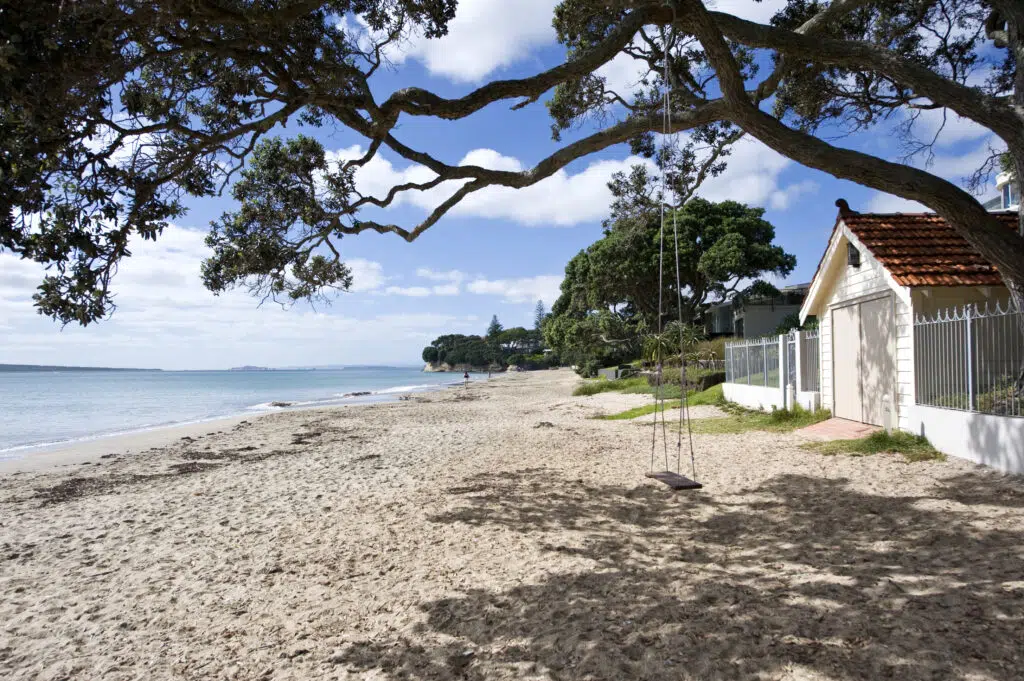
{"x": 636, "y": 412}
{"x": 712, "y": 395}
{"x": 912, "y": 447}
{"x": 742, "y": 420}
{"x": 634, "y": 385}
{"x": 593, "y": 386}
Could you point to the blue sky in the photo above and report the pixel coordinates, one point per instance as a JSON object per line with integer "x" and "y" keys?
{"x": 497, "y": 253}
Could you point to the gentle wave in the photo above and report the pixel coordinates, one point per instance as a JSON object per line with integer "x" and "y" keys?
{"x": 409, "y": 388}
{"x": 93, "y": 404}
{"x": 6, "y": 454}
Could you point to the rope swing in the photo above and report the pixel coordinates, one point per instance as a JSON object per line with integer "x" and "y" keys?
{"x": 669, "y": 476}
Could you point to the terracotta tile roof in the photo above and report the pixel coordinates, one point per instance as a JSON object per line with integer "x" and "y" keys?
{"x": 920, "y": 249}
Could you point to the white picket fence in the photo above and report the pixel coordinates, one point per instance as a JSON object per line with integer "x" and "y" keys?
{"x": 774, "y": 372}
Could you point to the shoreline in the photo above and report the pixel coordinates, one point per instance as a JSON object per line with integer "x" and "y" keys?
{"x": 47, "y": 457}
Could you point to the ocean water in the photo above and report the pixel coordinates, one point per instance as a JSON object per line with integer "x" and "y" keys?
{"x": 39, "y": 408}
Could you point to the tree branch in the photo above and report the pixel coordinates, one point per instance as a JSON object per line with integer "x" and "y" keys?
{"x": 966, "y": 101}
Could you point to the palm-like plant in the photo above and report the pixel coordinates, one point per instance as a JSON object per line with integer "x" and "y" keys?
{"x": 675, "y": 339}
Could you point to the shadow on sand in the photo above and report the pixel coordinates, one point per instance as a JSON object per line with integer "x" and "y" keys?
{"x": 801, "y": 578}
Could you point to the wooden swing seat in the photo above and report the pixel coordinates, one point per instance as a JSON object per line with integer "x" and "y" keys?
{"x": 675, "y": 481}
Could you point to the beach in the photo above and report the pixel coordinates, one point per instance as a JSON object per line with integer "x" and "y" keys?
{"x": 498, "y": 531}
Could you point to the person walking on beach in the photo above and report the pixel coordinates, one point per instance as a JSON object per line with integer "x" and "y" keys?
{"x": 466, "y": 376}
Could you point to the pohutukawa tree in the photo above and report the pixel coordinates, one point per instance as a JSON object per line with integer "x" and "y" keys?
{"x": 115, "y": 111}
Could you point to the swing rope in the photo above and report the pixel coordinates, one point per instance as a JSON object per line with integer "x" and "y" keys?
{"x": 674, "y": 480}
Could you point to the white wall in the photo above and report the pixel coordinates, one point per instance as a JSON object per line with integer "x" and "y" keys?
{"x": 754, "y": 396}
{"x": 846, "y": 283}
{"x": 904, "y": 362}
{"x": 996, "y": 441}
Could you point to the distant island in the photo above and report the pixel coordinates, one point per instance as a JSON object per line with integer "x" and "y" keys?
{"x": 252, "y": 368}
{"x": 43, "y": 367}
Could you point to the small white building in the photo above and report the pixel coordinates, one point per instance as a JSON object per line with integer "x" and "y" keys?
{"x": 879, "y": 273}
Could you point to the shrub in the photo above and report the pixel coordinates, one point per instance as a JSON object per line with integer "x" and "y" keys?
{"x": 696, "y": 379}
{"x": 715, "y": 347}
{"x": 589, "y": 368}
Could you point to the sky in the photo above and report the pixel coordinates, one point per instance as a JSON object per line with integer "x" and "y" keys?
{"x": 497, "y": 253}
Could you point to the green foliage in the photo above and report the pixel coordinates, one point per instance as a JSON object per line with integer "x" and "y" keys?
{"x": 287, "y": 195}
{"x": 111, "y": 113}
{"x": 789, "y": 322}
{"x": 912, "y": 447}
{"x": 495, "y": 328}
{"x": 676, "y": 339}
{"x": 517, "y": 346}
{"x": 535, "y": 361}
{"x": 539, "y": 315}
{"x": 720, "y": 244}
{"x": 713, "y": 396}
{"x": 589, "y": 368}
{"x": 601, "y": 385}
{"x": 713, "y": 348}
{"x": 518, "y": 340}
{"x": 695, "y": 377}
{"x": 792, "y": 321}
{"x": 608, "y": 307}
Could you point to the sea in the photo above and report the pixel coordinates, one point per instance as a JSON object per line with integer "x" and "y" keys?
{"x": 44, "y": 408}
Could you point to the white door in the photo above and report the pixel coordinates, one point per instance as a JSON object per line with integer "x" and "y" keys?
{"x": 863, "y": 370}
{"x": 845, "y": 368}
{"x": 877, "y": 369}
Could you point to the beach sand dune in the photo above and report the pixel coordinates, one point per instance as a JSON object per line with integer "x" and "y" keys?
{"x": 498, "y": 532}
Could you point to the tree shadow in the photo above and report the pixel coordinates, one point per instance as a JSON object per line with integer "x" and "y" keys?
{"x": 989, "y": 487}
{"x": 802, "y": 577}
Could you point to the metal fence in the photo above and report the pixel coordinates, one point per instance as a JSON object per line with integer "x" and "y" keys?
{"x": 791, "y": 358}
{"x": 810, "y": 361}
{"x": 971, "y": 359}
{"x": 754, "y": 362}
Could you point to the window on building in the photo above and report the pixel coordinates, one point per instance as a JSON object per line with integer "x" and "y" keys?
{"x": 852, "y": 255}
{"x": 1011, "y": 195}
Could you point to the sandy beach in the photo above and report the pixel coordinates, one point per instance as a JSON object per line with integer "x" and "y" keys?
{"x": 499, "y": 532}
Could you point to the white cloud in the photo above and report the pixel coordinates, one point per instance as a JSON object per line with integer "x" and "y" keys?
{"x": 453, "y": 276}
{"x": 166, "y": 319}
{"x": 485, "y": 36}
{"x": 947, "y": 128}
{"x": 784, "y": 198}
{"x": 410, "y": 291}
{"x": 446, "y": 290}
{"x": 367, "y": 275}
{"x": 524, "y": 290}
{"x": 564, "y": 199}
{"x": 753, "y": 177}
{"x": 560, "y": 200}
